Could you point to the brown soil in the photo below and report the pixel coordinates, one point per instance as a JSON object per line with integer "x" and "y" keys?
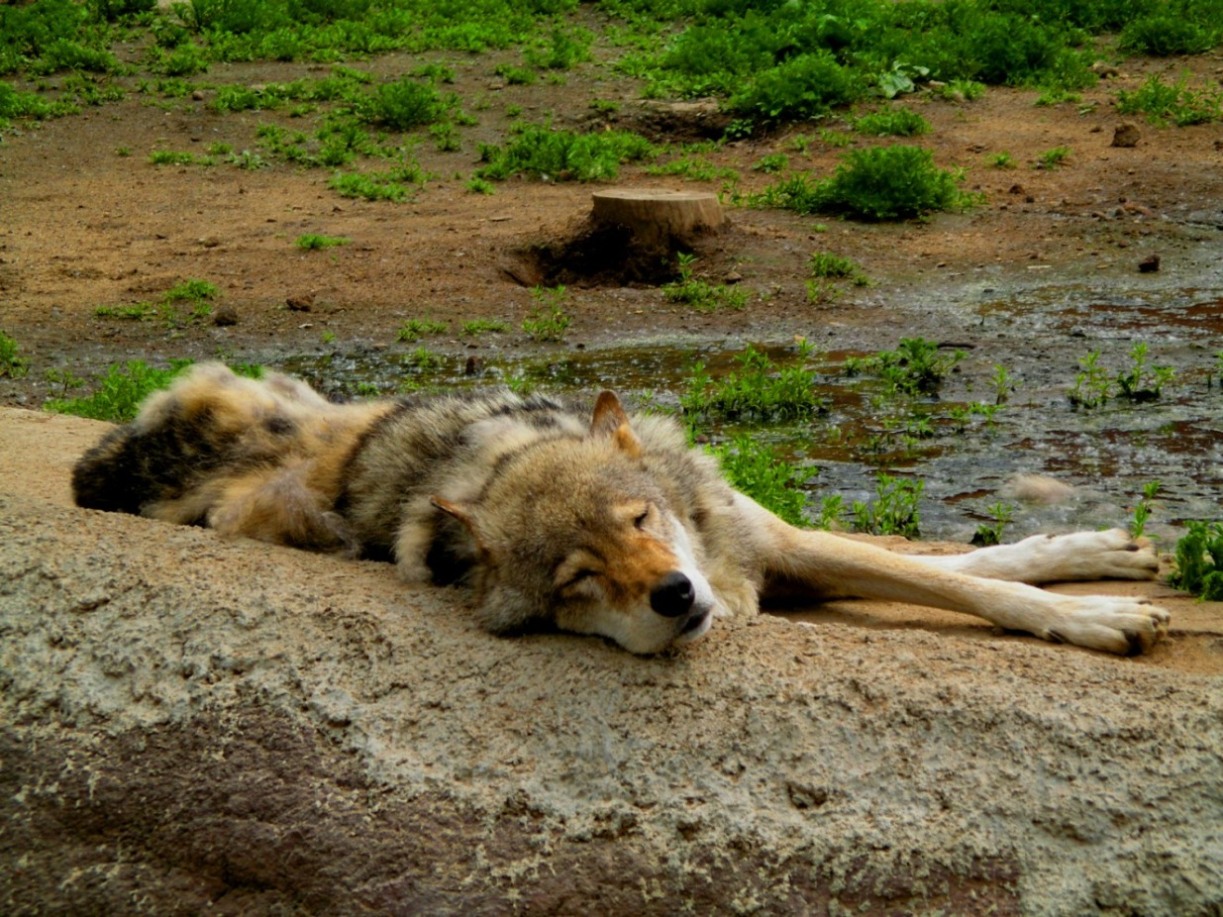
{"x": 86, "y": 227}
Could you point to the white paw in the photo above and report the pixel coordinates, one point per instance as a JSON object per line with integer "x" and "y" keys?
{"x": 1110, "y": 623}
{"x": 1089, "y": 556}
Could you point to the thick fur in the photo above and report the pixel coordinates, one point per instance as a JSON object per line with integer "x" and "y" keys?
{"x": 588, "y": 522}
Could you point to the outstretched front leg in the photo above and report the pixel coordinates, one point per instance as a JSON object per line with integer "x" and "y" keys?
{"x": 823, "y": 566}
{"x": 1112, "y": 554}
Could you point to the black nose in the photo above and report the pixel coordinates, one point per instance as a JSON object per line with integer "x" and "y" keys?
{"x": 673, "y": 596}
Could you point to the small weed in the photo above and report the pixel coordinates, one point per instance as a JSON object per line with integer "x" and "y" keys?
{"x": 1002, "y": 160}
{"x": 313, "y": 242}
{"x": 1199, "y": 561}
{"x": 1175, "y": 103}
{"x": 758, "y": 390}
{"x": 478, "y": 326}
{"x": 403, "y": 105}
{"x": 548, "y": 321}
{"x": 881, "y": 183}
{"x": 138, "y": 312}
{"x": 1053, "y": 158}
{"x": 1003, "y": 384}
{"x": 63, "y": 379}
{"x": 1092, "y": 384}
{"x": 423, "y": 359}
{"x": 756, "y": 469}
{"x": 915, "y": 367}
{"x": 415, "y": 328}
{"x": 556, "y": 155}
{"x": 695, "y": 168}
{"x": 370, "y": 186}
{"x": 774, "y": 162}
{"x": 12, "y": 364}
{"x": 1141, "y": 381}
{"x": 828, "y": 266}
{"x": 480, "y": 186}
{"x": 193, "y": 290}
{"x": 899, "y": 122}
{"x": 121, "y": 391}
{"x": 990, "y": 533}
{"x": 1142, "y": 509}
{"x": 171, "y": 158}
{"x": 961, "y": 91}
{"x": 894, "y": 510}
{"x": 327, "y": 338}
{"x": 700, "y": 294}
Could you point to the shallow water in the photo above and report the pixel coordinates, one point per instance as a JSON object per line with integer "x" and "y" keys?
{"x": 1107, "y": 453}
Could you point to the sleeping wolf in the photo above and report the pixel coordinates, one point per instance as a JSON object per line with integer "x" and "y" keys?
{"x": 596, "y": 523}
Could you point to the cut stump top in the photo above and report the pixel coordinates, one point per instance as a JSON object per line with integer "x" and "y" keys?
{"x": 657, "y": 214}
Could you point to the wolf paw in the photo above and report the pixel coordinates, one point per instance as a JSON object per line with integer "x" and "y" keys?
{"x": 1113, "y": 624}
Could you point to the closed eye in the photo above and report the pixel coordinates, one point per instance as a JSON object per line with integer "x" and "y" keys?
{"x": 641, "y": 518}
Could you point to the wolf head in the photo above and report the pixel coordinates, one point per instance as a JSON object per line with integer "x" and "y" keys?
{"x": 580, "y": 534}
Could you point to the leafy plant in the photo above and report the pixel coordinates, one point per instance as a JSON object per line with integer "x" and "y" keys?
{"x": 828, "y": 266}
{"x": 563, "y": 155}
{"x": 916, "y": 367}
{"x": 1053, "y": 158}
{"x": 1175, "y": 103}
{"x": 759, "y": 390}
{"x": 700, "y": 294}
{"x": 1166, "y": 33}
{"x": 314, "y": 242}
{"x": 12, "y": 363}
{"x": 1142, "y": 509}
{"x": 805, "y": 86}
{"x": 895, "y": 122}
{"x": 548, "y": 321}
{"x": 1141, "y": 381}
{"x": 1092, "y": 384}
{"x": 880, "y": 183}
{"x": 756, "y": 469}
{"x": 415, "y": 328}
{"x": 1002, "y": 161}
{"x": 477, "y": 326}
{"x": 987, "y": 534}
{"x": 1199, "y": 561}
{"x": 895, "y": 510}
{"x": 121, "y": 391}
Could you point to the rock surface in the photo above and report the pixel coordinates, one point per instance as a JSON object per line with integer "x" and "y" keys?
{"x": 190, "y": 724}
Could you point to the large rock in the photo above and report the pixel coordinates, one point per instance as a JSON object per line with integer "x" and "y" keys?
{"x": 192, "y": 724}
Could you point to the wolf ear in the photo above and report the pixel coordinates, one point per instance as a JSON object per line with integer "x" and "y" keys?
{"x": 460, "y": 512}
{"x": 610, "y": 420}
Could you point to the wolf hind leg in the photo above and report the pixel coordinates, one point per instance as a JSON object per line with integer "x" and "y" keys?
{"x": 277, "y": 505}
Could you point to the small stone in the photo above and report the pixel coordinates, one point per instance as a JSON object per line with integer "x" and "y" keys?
{"x": 1149, "y": 264}
{"x": 225, "y": 316}
{"x": 1125, "y": 135}
{"x": 300, "y": 303}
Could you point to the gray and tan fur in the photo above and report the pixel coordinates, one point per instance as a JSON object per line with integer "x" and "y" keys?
{"x": 592, "y": 522}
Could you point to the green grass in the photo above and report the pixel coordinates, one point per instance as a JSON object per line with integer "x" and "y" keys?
{"x": 756, "y": 469}
{"x": 917, "y": 367}
{"x": 1053, "y": 158}
{"x": 478, "y": 326}
{"x": 758, "y": 390}
{"x": 120, "y": 391}
{"x": 699, "y": 294}
{"x": 548, "y": 321}
{"x": 1172, "y": 103}
{"x": 876, "y": 184}
{"x": 314, "y": 242}
{"x": 1199, "y": 561}
{"x": 559, "y": 155}
{"x": 895, "y": 509}
{"x": 12, "y": 364}
{"x": 415, "y": 328}
{"x": 898, "y": 122}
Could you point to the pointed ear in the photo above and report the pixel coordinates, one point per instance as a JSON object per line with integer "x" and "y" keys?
{"x": 610, "y": 420}
{"x": 460, "y": 512}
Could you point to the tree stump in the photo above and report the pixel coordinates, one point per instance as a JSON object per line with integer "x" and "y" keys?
{"x": 656, "y": 217}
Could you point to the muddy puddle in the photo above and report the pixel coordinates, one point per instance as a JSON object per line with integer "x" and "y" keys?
{"x": 966, "y": 448}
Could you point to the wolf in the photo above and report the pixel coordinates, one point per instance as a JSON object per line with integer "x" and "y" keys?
{"x": 592, "y": 522}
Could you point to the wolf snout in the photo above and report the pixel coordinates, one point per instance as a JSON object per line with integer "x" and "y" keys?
{"x": 673, "y": 596}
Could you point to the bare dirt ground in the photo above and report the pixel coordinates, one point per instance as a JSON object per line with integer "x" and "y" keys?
{"x": 85, "y": 226}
